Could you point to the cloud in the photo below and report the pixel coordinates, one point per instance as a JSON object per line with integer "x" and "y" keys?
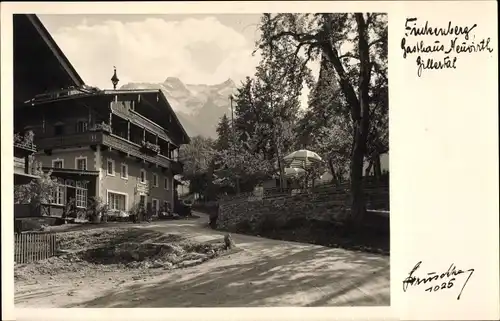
{"x": 153, "y": 49}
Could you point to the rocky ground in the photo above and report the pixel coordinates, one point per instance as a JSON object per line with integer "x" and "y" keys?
{"x": 137, "y": 253}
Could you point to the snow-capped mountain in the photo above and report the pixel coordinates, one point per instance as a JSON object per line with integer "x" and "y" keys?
{"x": 199, "y": 107}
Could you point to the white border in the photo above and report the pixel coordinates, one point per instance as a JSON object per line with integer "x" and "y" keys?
{"x": 441, "y": 212}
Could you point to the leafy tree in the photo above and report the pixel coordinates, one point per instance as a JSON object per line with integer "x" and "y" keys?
{"x": 223, "y": 133}
{"x": 240, "y": 162}
{"x": 37, "y": 192}
{"x": 326, "y": 126}
{"x": 356, "y": 46}
{"x": 267, "y": 105}
{"x": 197, "y": 158}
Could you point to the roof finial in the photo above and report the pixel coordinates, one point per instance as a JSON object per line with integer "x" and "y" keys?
{"x": 114, "y": 79}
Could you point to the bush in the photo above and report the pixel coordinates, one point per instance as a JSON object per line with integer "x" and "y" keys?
{"x": 268, "y": 223}
{"x": 295, "y": 223}
{"x": 96, "y": 209}
{"x": 243, "y": 227}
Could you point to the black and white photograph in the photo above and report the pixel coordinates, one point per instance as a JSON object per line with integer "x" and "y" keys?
{"x": 201, "y": 160}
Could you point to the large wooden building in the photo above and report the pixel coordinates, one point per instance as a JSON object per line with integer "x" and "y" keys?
{"x": 119, "y": 145}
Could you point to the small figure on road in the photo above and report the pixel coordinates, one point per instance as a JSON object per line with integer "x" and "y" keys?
{"x": 228, "y": 241}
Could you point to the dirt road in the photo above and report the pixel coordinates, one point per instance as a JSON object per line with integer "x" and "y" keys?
{"x": 262, "y": 272}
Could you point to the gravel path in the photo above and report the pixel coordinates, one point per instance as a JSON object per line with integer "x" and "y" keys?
{"x": 260, "y": 272}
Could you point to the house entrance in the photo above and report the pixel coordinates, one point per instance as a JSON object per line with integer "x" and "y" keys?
{"x": 142, "y": 200}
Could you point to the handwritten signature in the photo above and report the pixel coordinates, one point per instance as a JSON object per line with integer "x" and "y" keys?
{"x": 448, "y": 278}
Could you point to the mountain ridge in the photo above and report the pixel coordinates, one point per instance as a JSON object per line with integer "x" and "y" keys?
{"x": 198, "y": 106}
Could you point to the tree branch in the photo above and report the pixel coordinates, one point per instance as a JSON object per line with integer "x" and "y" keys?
{"x": 343, "y": 80}
{"x": 382, "y": 39}
{"x": 349, "y": 55}
{"x": 299, "y": 37}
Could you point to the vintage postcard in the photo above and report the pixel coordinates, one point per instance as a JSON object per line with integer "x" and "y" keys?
{"x": 250, "y": 160}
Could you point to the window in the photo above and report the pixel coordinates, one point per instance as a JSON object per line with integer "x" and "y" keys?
{"x": 81, "y": 163}
{"x": 111, "y": 167}
{"x": 143, "y": 176}
{"x": 58, "y": 195}
{"x": 57, "y": 163}
{"x": 81, "y": 195}
{"x": 155, "y": 180}
{"x": 155, "y": 205}
{"x": 116, "y": 201}
{"x": 166, "y": 183}
{"x": 124, "y": 171}
{"x": 59, "y": 130}
{"x": 82, "y": 126}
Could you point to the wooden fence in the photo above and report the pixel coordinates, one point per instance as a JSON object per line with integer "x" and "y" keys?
{"x": 31, "y": 247}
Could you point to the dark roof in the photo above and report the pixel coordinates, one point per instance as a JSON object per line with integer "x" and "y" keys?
{"x": 39, "y": 63}
{"x": 63, "y": 60}
{"x": 112, "y": 92}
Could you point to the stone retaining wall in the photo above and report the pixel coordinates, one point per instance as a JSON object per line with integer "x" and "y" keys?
{"x": 279, "y": 211}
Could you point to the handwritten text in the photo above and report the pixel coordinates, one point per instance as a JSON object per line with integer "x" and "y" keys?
{"x": 436, "y": 281}
{"x": 443, "y": 52}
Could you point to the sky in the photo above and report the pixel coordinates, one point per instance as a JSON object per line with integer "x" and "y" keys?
{"x": 197, "y": 49}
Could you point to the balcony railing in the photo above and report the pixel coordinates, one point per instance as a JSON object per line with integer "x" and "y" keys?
{"x": 122, "y": 111}
{"x": 151, "y": 147}
{"x": 65, "y": 141}
{"x": 135, "y": 150}
{"x": 25, "y": 141}
{"x": 26, "y": 166}
{"x": 101, "y": 127}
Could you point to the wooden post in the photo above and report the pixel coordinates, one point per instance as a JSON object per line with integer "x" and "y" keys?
{"x": 43, "y": 122}
{"x": 27, "y": 164}
{"x": 156, "y": 139}
{"x": 144, "y": 134}
{"x": 110, "y": 121}
{"x": 128, "y": 130}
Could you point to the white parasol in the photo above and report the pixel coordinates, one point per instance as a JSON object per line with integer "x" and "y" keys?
{"x": 302, "y": 159}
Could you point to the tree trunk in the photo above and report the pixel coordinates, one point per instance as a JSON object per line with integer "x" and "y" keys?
{"x": 369, "y": 168}
{"x": 377, "y": 166}
{"x": 361, "y": 124}
{"x": 332, "y": 170}
{"x": 356, "y": 178}
{"x": 359, "y": 107}
{"x": 237, "y": 185}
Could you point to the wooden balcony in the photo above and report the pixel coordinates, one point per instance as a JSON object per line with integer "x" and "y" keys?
{"x": 24, "y": 144}
{"x": 134, "y": 150}
{"x": 115, "y": 142}
{"x": 122, "y": 111}
{"x": 76, "y": 140}
{"x": 21, "y": 166}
